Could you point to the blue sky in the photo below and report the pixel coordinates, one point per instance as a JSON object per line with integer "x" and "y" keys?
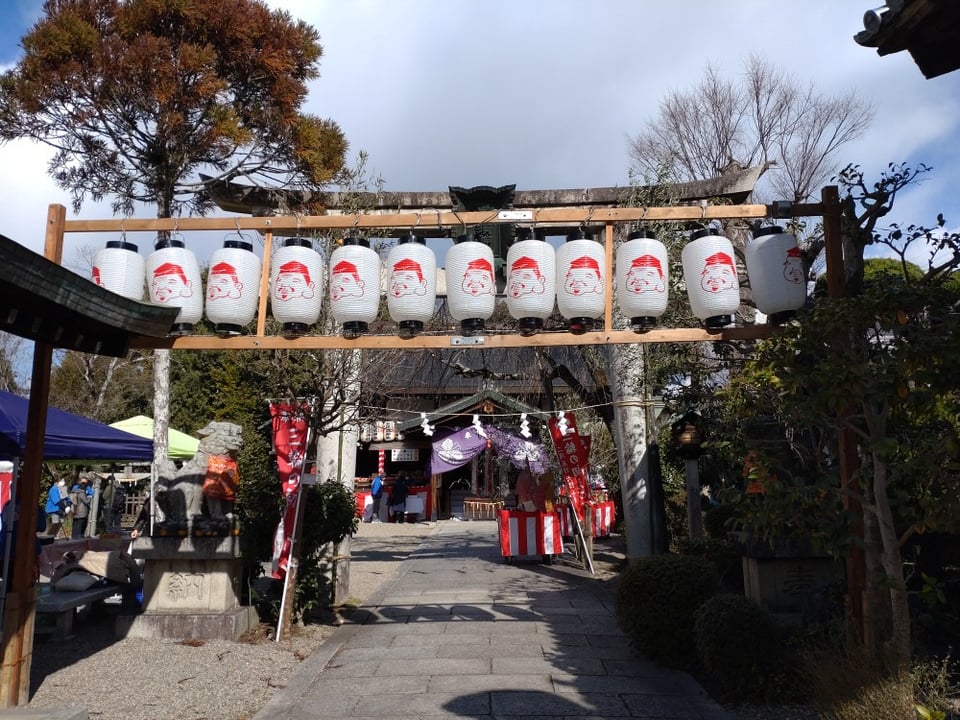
{"x": 545, "y": 93}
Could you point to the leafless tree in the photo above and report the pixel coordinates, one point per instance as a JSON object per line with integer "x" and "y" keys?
{"x": 766, "y": 116}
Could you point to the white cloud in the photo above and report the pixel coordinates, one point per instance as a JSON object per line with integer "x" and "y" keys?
{"x": 544, "y": 93}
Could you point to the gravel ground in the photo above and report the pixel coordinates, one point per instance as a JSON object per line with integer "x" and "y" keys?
{"x": 137, "y": 679}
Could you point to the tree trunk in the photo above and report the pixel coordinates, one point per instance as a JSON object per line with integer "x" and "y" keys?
{"x": 898, "y": 647}
{"x": 630, "y": 425}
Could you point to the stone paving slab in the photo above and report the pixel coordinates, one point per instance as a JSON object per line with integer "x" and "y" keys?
{"x": 460, "y": 633}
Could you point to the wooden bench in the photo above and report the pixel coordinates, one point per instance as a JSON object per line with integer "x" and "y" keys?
{"x": 63, "y": 605}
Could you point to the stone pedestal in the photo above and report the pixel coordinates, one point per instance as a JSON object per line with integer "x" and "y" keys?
{"x": 781, "y": 579}
{"x": 191, "y": 590}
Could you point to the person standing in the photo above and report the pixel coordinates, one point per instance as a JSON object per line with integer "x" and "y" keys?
{"x": 398, "y": 499}
{"x": 106, "y": 502}
{"x": 376, "y": 493}
{"x": 57, "y": 507}
{"x": 83, "y": 494}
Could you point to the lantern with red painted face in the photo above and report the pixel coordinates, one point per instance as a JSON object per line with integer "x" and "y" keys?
{"x": 354, "y": 285}
{"x": 233, "y": 287}
{"x": 120, "y": 268}
{"x": 296, "y": 286}
{"x": 531, "y": 283}
{"x": 581, "y": 289}
{"x": 411, "y": 284}
{"x": 642, "y": 279}
{"x": 471, "y": 287}
{"x": 711, "y": 278}
{"x": 775, "y": 268}
{"x": 173, "y": 280}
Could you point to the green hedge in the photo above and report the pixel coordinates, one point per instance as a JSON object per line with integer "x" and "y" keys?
{"x": 656, "y": 602}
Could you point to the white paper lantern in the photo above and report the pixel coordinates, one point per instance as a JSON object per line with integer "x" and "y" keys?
{"x": 775, "y": 269}
{"x": 471, "y": 287}
{"x": 710, "y": 275}
{"x": 354, "y": 286}
{"x": 119, "y": 268}
{"x": 643, "y": 279}
{"x": 412, "y": 284}
{"x": 173, "y": 280}
{"x": 233, "y": 287}
{"x": 581, "y": 290}
{"x": 296, "y": 285}
{"x": 531, "y": 283}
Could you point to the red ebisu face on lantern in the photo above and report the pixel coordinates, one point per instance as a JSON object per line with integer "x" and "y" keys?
{"x": 583, "y": 277}
{"x": 793, "y": 266}
{"x": 406, "y": 278}
{"x": 645, "y": 275}
{"x": 345, "y": 281}
{"x": 170, "y": 281}
{"x": 478, "y": 278}
{"x": 224, "y": 283}
{"x": 718, "y": 273}
{"x": 525, "y": 278}
{"x": 293, "y": 281}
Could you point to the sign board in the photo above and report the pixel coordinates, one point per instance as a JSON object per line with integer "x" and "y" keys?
{"x": 405, "y": 455}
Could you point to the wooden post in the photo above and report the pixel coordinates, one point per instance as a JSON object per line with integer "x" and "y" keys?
{"x": 858, "y": 618}
{"x": 18, "y": 616}
{"x": 694, "y": 513}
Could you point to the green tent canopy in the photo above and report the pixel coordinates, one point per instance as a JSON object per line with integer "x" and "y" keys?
{"x": 181, "y": 445}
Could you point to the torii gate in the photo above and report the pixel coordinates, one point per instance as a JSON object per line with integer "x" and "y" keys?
{"x": 14, "y": 687}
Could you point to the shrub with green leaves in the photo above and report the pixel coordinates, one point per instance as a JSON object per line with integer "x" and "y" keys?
{"x": 738, "y": 647}
{"x": 656, "y": 602}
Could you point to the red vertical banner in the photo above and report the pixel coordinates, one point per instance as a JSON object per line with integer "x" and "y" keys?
{"x": 573, "y": 457}
{"x": 290, "y": 443}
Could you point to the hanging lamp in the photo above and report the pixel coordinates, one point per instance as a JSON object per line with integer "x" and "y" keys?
{"x": 412, "y": 284}
{"x": 354, "y": 286}
{"x": 581, "y": 293}
{"x": 233, "y": 287}
{"x": 531, "y": 283}
{"x": 173, "y": 280}
{"x": 471, "y": 288}
{"x": 711, "y": 278}
{"x": 643, "y": 282}
{"x": 296, "y": 286}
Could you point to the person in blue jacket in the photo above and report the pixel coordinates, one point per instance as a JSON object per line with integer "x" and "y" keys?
{"x": 57, "y": 507}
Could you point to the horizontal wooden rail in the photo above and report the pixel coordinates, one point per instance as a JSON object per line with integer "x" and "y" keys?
{"x": 423, "y": 342}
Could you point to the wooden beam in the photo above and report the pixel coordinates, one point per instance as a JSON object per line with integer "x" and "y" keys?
{"x": 405, "y": 221}
{"x": 423, "y": 342}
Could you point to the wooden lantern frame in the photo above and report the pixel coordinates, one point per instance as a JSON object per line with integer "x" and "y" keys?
{"x": 603, "y": 219}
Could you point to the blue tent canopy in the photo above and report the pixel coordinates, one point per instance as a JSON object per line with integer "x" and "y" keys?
{"x": 68, "y": 436}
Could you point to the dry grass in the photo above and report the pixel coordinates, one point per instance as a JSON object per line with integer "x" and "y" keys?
{"x": 846, "y": 685}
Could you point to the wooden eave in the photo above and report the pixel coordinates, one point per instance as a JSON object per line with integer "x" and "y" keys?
{"x": 469, "y": 404}
{"x": 734, "y": 186}
{"x": 927, "y": 29}
{"x": 41, "y": 300}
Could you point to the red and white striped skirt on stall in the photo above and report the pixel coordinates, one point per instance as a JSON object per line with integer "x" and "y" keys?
{"x": 602, "y": 514}
{"x": 529, "y": 533}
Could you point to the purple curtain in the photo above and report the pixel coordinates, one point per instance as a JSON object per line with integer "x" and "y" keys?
{"x": 521, "y": 451}
{"x": 456, "y": 450}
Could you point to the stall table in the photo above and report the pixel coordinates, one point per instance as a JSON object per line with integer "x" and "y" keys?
{"x": 524, "y": 534}
{"x": 603, "y": 515}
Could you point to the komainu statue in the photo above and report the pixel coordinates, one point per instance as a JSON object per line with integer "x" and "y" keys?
{"x": 210, "y": 474}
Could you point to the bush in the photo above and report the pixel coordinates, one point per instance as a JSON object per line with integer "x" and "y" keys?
{"x": 656, "y": 601}
{"x": 719, "y": 520}
{"x": 722, "y": 553}
{"x": 738, "y": 647}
